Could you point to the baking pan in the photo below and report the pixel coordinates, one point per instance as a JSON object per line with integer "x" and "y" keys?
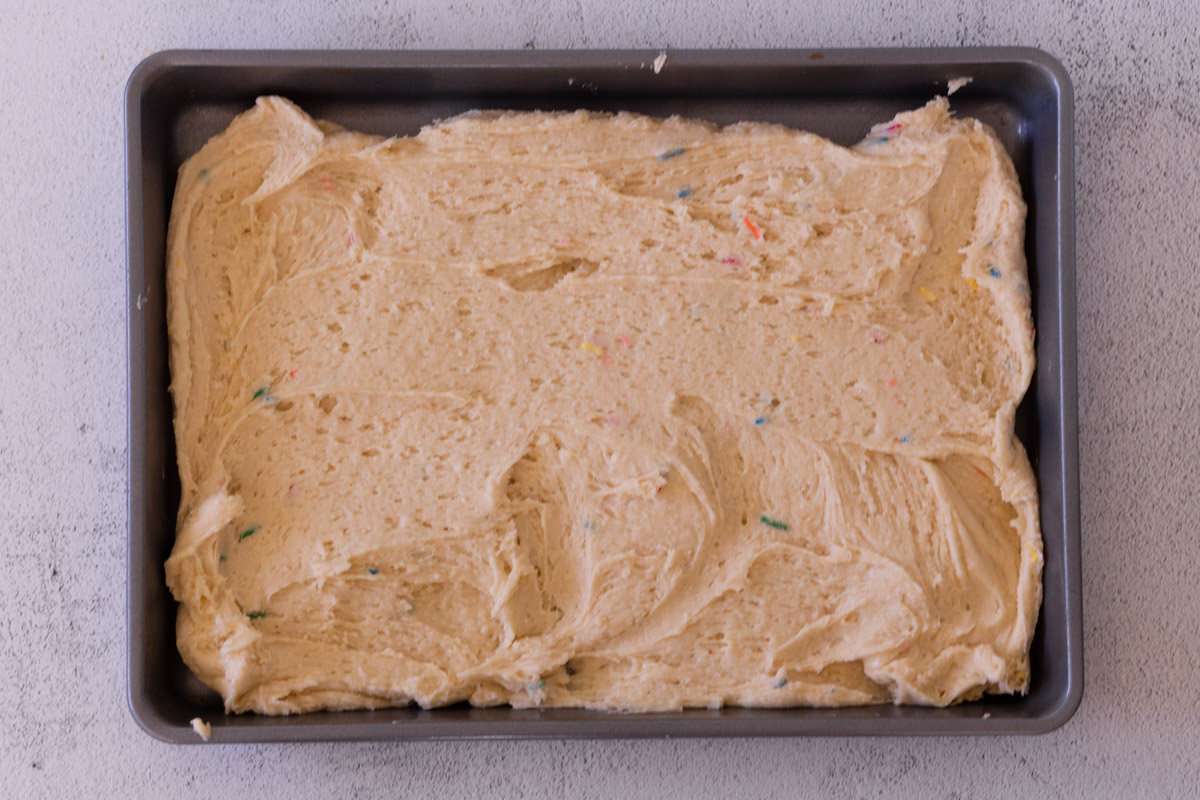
{"x": 176, "y": 100}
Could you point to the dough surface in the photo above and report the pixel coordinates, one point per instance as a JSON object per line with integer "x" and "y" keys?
{"x": 567, "y": 409}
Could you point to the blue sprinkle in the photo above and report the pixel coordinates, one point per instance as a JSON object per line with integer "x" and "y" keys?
{"x": 760, "y": 421}
{"x": 779, "y": 684}
{"x": 372, "y": 570}
{"x": 678, "y": 151}
{"x": 1021, "y": 288}
{"x": 588, "y": 524}
{"x": 905, "y": 439}
{"x": 995, "y": 273}
{"x": 533, "y": 686}
{"x": 684, "y": 192}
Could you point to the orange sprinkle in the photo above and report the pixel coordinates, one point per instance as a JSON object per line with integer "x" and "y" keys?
{"x": 749, "y": 223}
{"x": 891, "y": 382}
{"x": 974, "y": 285}
{"x": 293, "y": 372}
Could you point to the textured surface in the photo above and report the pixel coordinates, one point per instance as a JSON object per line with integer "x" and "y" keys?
{"x": 62, "y": 457}
{"x": 491, "y": 413}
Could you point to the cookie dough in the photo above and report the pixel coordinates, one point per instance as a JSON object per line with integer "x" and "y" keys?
{"x": 569, "y": 409}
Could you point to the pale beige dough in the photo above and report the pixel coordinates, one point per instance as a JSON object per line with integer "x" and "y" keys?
{"x": 607, "y": 411}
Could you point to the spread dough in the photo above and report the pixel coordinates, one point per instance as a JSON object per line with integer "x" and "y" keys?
{"x": 584, "y": 410}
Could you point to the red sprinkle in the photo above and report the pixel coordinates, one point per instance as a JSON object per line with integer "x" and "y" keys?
{"x": 893, "y": 128}
{"x": 749, "y": 223}
{"x": 293, "y": 372}
{"x": 877, "y": 337}
{"x": 328, "y": 185}
{"x": 734, "y": 262}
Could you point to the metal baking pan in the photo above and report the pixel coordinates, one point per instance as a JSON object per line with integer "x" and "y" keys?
{"x": 176, "y": 100}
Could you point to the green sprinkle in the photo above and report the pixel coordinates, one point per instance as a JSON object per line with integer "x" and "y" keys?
{"x": 222, "y": 558}
{"x": 678, "y": 151}
{"x": 256, "y": 614}
{"x": 533, "y": 686}
{"x": 246, "y": 534}
{"x": 203, "y": 176}
{"x": 372, "y": 570}
{"x": 261, "y": 391}
{"x": 779, "y": 683}
{"x": 773, "y": 523}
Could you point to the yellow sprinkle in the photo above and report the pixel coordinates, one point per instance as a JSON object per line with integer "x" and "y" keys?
{"x": 794, "y": 338}
{"x": 974, "y": 285}
{"x": 1033, "y": 553}
{"x": 592, "y": 348}
{"x": 928, "y": 295}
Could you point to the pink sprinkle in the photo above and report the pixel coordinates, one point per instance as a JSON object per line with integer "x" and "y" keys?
{"x": 292, "y": 492}
{"x": 893, "y": 128}
{"x": 351, "y": 239}
{"x": 563, "y": 241}
{"x": 328, "y": 185}
{"x": 877, "y": 337}
{"x": 731, "y": 261}
{"x": 612, "y": 422}
{"x": 624, "y": 340}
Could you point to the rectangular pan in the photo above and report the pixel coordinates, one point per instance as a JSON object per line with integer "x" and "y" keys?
{"x": 176, "y": 100}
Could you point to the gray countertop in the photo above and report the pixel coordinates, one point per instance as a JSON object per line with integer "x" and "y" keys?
{"x": 64, "y": 724}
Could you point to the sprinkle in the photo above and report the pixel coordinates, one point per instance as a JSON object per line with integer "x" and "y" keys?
{"x": 893, "y": 128}
{"x": 260, "y": 392}
{"x": 684, "y": 192}
{"x": 203, "y": 176}
{"x": 372, "y": 571}
{"x": 293, "y": 372}
{"x": 733, "y": 262}
{"x": 589, "y": 524}
{"x": 760, "y": 421}
{"x": 928, "y": 295}
{"x": 328, "y": 185}
{"x": 563, "y": 241}
{"x": 974, "y": 284}
{"x": 606, "y": 361}
{"x": 779, "y": 683}
{"x": 256, "y": 614}
{"x": 624, "y": 341}
{"x": 351, "y": 239}
{"x": 678, "y": 151}
{"x": 892, "y": 382}
{"x": 591, "y": 348}
{"x": 291, "y": 494}
{"x": 905, "y": 439}
{"x": 880, "y": 140}
{"x": 1033, "y": 553}
{"x": 773, "y": 523}
{"x": 246, "y": 534}
{"x": 995, "y": 273}
{"x": 794, "y": 338}
{"x": 878, "y": 338}
{"x": 749, "y": 223}
{"x": 981, "y": 472}
{"x": 533, "y": 686}
{"x": 222, "y": 558}
{"x": 612, "y": 422}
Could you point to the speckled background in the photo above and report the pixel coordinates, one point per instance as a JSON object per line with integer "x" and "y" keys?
{"x": 64, "y": 726}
